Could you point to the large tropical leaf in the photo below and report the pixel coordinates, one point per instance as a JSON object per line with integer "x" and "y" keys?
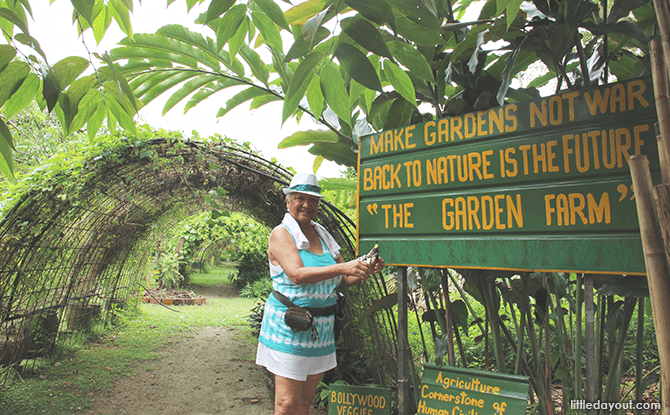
{"x": 11, "y": 78}
{"x": 366, "y": 35}
{"x": 6, "y": 145}
{"x": 303, "y": 138}
{"x": 274, "y": 12}
{"x": 268, "y": 29}
{"x": 229, "y": 24}
{"x": 299, "y": 83}
{"x": 378, "y": 11}
{"x": 335, "y": 93}
{"x": 187, "y": 89}
{"x": 413, "y": 60}
{"x": 309, "y": 32}
{"x": 217, "y": 8}
{"x": 68, "y": 69}
{"x": 211, "y": 89}
{"x": 340, "y": 153}
{"x": 357, "y": 65}
{"x": 256, "y": 64}
{"x": 23, "y": 96}
{"x": 315, "y": 97}
{"x": 85, "y": 9}
{"x": 400, "y": 81}
{"x": 241, "y": 97}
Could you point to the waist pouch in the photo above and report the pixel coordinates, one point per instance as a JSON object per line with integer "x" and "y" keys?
{"x": 302, "y": 318}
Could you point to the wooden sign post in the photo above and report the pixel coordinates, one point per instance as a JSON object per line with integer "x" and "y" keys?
{"x": 451, "y": 390}
{"x": 358, "y": 400}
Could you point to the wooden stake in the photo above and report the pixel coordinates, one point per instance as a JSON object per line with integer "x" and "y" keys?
{"x": 657, "y": 267}
{"x": 660, "y": 76}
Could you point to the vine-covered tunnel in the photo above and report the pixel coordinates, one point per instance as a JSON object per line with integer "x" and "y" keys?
{"x": 81, "y": 240}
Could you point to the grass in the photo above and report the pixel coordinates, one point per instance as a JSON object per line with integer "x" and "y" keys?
{"x": 214, "y": 275}
{"x": 94, "y": 362}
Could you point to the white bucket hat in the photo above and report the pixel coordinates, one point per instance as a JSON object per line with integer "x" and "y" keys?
{"x": 304, "y": 183}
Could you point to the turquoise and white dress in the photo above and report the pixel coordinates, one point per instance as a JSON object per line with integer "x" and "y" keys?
{"x": 283, "y": 351}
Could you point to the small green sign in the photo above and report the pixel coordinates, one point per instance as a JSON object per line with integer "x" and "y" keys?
{"x": 358, "y": 400}
{"x": 451, "y": 390}
{"x": 542, "y": 185}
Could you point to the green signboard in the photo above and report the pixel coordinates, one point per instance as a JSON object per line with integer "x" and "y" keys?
{"x": 542, "y": 185}
{"x": 358, "y": 400}
{"x": 458, "y": 391}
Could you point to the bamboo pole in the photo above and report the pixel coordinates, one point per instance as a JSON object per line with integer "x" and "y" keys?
{"x": 661, "y": 94}
{"x": 662, "y": 198}
{"x": 405, "y": 404}
{"x": 665, "y": 169}
{"x": 589, "y": 342}
{"x": 657, "y": 267}
{"x": 663, "y": 19}
{"x": 579, "y": 299}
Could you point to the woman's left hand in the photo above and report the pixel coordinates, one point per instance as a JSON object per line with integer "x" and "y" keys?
{"x": 377, "y": 265}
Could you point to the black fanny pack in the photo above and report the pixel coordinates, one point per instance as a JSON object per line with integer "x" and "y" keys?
{"x": 302, "y": 318}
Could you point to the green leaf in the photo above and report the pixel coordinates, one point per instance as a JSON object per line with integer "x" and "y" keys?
{"x": 182, "y": 41}
{"x": 400, "y": 81}
{"x": 84, "y": 8}
{"x": 217, "y": 8}
{"x": 85, "y": 109}
{"x": 577, "y": 12}
{"x": 258, "y": 67}
{"x": 378, "y": 11}
{"x": 623, "y": 27}
{"x": 23, "y": 96}
{"x": 7, "y": 53}
{"x": 11, "y": 78}
{"x": 95, "y": 122}
{"x": 264, "y": 99}
{"x": 506, "y": 79}
{"x": 385, "y": 303}
{"x": 237, "y": 40}
{"x": 417, "y": 33}
{"x": 460, "y": 314}
{"x": 335, "y": 92}
{"x": 274, "y": 12}
{"x": 124, "y": 118}
{"x": 210, "y": 90}
{"x": 339, "y": 153}
{"x": 357, "y": 65}
{"x": 299, "y": 83}
{"x": 303, "y": 138}
{"x": 6, "y": 145}
{"x": 311, "y": 28}
{"x": 399, "y": 114}
{"x": 366, "y": 35}
{"x": 187, "y": 89}
{"x": 413, "y": 60}
{"x": 301, "y": 13}
{"x": 230, "y": 23}
{"x": 315, "y": 97}
{"x": 239, "y": 98}
{"x": 628, "y": 286}
{"x": 268, "y": 29}
{"x": 15, "y": 19}
{"x": 101, "y": 23}
{"x": 299, "y": 47}
{"x": 68, "y": 69}
{"x": 121, "y": 14}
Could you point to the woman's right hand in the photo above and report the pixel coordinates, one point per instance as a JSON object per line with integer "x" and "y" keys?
{"x": 357, "y": 268}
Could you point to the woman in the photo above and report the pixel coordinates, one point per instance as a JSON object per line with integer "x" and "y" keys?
{"x": 306, "y": 267}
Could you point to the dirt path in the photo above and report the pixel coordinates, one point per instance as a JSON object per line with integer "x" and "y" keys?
{"x": 210, "y": 372}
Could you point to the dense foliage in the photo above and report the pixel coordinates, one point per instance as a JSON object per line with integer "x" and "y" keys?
{"x": 354, "y": 66}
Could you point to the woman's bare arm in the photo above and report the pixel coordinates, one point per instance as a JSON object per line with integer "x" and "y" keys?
{"x": 282, "y": 251}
